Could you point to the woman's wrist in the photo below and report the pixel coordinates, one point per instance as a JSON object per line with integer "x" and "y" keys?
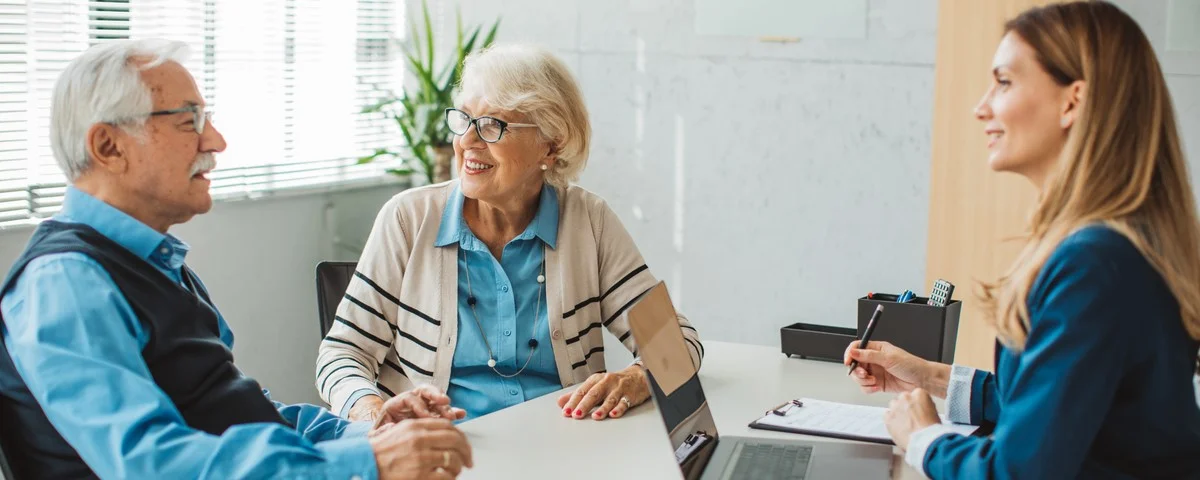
{"x": 634, "y": 371}
{"x": 937, "y": 379}
{"x": 641, "y": 390}
{"x": 365, "y": 409}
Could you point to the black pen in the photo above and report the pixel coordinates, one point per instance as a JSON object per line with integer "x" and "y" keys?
{"x": 867, "y": 335}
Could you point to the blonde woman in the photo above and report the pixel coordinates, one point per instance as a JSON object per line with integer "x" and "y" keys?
{"x": 494, "y": 289}
{"x": 1099, "y": 316}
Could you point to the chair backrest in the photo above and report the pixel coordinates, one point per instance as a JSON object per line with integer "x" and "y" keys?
{"x": 332, "y": 280}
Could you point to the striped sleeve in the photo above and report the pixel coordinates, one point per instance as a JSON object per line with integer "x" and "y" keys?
{"x": 364, "y": 328}
{"x": 625, "y": 276}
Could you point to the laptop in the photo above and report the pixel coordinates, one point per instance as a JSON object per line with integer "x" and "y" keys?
{"x": 701, "y": 452}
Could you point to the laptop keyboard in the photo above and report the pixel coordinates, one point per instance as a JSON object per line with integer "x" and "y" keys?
{"x": 767, "y": 460}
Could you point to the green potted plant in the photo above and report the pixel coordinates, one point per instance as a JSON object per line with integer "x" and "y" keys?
{"x": 419, "y": 111}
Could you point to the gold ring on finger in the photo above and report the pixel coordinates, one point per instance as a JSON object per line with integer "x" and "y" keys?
{"x": 626, "y": 402}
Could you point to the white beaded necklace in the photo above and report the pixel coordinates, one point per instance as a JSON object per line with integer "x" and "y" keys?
{"x": 533, "y": 343}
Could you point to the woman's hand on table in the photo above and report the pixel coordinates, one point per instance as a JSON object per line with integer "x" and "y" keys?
{"x": 605, "y": 395}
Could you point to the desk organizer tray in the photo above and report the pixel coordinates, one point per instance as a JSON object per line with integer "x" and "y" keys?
{"x": 818, "y": 342}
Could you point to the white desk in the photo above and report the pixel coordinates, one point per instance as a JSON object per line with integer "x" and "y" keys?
{"x": 533, "y": 440}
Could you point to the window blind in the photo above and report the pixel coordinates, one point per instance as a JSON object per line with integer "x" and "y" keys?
{"x": 286, "y": 80}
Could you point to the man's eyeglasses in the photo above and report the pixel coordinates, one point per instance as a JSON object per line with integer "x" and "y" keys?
{"x": 490, "y": 129}
{"x": 200, "y": 116}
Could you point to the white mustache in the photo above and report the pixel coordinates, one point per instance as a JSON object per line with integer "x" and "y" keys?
{"x": 204, "y": 162}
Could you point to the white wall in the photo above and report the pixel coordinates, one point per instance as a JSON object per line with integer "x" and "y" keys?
{"x": 258, "y": 259}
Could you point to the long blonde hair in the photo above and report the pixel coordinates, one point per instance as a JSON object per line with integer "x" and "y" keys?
{"x": 1122, "y": 165}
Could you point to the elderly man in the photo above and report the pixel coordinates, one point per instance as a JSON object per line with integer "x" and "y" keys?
{"x": 115, "y": 362}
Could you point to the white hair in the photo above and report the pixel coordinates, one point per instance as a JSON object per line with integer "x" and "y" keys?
{"x": 530, "y": 80}
{"x": 104, "y": 85}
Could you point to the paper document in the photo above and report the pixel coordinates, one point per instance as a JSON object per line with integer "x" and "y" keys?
{"x": 841, "y": 420}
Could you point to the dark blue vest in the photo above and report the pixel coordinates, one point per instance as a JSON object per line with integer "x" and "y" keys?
{"x": 185, "y": 355}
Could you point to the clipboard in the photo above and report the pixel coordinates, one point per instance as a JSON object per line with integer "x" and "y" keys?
{"x": 819, "y": 433}
{"x": 844, "y": 421}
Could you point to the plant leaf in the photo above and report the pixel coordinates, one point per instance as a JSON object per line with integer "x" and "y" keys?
{"x": 449, "y": 74}
{"x": 458, "y": 30}
{"x": 445, "y": 80}
{"x": 380, "y": 105}
{"x": 417, "y": 147}
{"x": 446, "y": 93}
{"x": 406, "y": 131}
{"x": 428, "y": 33}
{"x": 424, "y": 77}
{"x": 422, "y": 157}
{"x": 453, "y": 72}
{"x": 469, "y": 46}
{"x": 413, "y": 45}
{"x": 422, "y": 117}
{"x": 491, "y": 36}
{"x": 409, "y": 108}
{"x": 379, "y": 152}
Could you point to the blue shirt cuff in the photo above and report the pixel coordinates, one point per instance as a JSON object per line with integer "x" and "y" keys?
{"x": 958, "y": 394}
{"x": 354, "y": 397}
{"x": 351, "y": 455}
{"x": 919, "y": 442}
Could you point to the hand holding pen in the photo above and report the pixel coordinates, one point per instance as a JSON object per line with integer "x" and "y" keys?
{"x": 883, "y": 367}
{"x": 867, "y": 335}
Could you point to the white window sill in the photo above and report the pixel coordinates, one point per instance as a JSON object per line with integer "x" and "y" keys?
{"x": 234, "y": 196}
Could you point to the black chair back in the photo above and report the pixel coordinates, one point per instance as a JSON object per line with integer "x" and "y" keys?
{"x": 332, "y": 280}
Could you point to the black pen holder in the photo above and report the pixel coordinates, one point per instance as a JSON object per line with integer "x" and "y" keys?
{"x": 924, "y": 330}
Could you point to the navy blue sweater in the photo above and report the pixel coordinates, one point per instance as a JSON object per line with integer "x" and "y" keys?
{"x": 1103, "y": 387}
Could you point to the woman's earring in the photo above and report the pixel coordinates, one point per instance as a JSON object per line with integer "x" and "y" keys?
{"x": 545, "y": 167}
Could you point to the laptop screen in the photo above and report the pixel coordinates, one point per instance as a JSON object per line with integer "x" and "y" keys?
{"x": 674, "y": 382}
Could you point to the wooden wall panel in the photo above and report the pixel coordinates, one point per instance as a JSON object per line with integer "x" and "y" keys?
{"x": 974, "y": 212}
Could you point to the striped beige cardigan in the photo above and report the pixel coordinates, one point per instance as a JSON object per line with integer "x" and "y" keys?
{"x": 397, "y": 325}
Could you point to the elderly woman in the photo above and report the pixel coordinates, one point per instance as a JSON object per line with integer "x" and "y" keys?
{"x": 493, "y": 288}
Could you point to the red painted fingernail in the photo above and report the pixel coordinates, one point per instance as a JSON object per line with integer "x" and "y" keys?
{"x": 578, "y": 412}
{"x": 597, "y": 415}
{"x": 615, "y": 413}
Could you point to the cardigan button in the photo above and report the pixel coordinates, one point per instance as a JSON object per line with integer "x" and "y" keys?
{"x": 557, "y": 334}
